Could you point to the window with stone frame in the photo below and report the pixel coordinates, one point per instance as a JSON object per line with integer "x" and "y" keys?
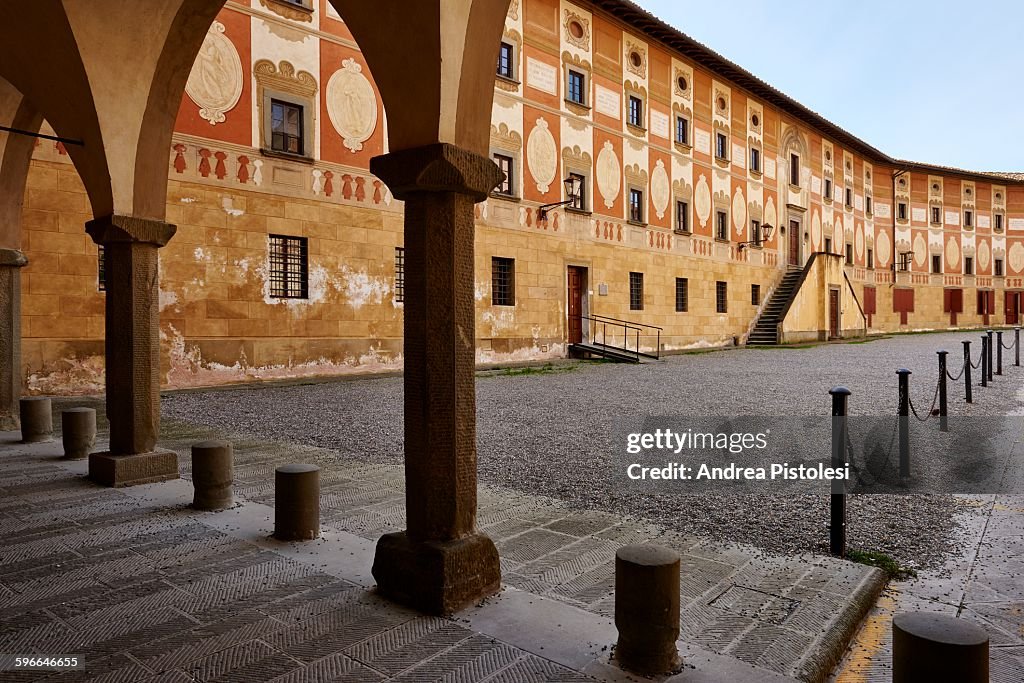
{"x": 721, "y": 297}
{"x": 755, "y": 295}
{"x": 289, "y": 267}
{"x": 682, "y": 130}
{"x": 721, "y": 146}
{"x": 755, "y": 160}
{"x": 506, "y": 163}
{"x": 721, "y": 225}
{"x": 968, "y": 265}
{"x": 506, "y": 61}
{"x": 579, "y": 202}
{"x": 936, "y": 263}
{"x": 682, "y": 216}
{"x": 871, "y": 258}
{"x": 287, "y": 133}
{"x": 635, "y": 114}
{"x": 997, "y": 264}
{"x": 636, "y": 205}
{"x": 576, "y": 87}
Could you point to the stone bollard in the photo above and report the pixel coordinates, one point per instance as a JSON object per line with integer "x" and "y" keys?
{"x": 212, "y": 475}
{"x": 647, "y": 608}
{"x": 36, "y": 419}
{"x": 297, "y": 502}
{"x": 78, "y": 432}
{"x": 936, "y": 647}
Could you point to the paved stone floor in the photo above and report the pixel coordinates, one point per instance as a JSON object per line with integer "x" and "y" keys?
{"x": 984, "y": 584}
{"x": 147, "y": 589}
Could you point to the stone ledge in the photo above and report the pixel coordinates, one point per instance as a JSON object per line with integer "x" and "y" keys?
{"x": 107, "y": 469}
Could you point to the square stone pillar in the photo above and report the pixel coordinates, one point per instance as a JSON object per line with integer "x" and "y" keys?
{"x": 441, "y": 563}
{"x": 132, "y": 352}
{"x": 11, "y": 263}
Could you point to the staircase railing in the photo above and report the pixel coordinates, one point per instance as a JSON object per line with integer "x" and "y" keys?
{"x": 631, "y": 331}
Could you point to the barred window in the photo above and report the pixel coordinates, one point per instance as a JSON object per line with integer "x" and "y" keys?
{"x": 682, "y": 295}
{"x": 101, "y": 274}
{"x": 289, "y": 267}
{"x": 721, "y": 297}
{"x": 636, "y": 291}
{"x": 503, "y": 281}
{"x": 399, "y": 274}
{"x": 755, "y": 295}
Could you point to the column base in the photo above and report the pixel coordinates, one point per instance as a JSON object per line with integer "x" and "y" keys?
{"x": 108, "y": 469}
{"x": 435, "y": 577}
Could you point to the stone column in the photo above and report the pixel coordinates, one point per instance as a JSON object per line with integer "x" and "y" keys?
{"x": 441, "y": 563}
{"x": 132, "y": 352}
{"x": 11, "y": 262}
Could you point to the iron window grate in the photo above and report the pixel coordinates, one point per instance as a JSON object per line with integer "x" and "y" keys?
{"x": 682, "y": 295}
{"x": 399, "y": 274}
{"x": 289, "y": 267}
{"x": 636, "y": 291}
{"x": 101, "y": 271}
{"x": 503, "y": 281}
{"x": 721, "y": 297}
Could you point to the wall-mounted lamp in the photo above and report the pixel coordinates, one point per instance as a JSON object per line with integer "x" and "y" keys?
{"x": 762, "y": 235}
{"x": 573, "y": 185}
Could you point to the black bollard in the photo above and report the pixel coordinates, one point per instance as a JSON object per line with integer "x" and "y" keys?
{"x": 984, "y": 361}
{"x": 943, "y": 407}
{"x": 1016, "y": 346}
{"x": 990, "y": 355}
{"x": 904, "y": 422}
{"x": 938, "y": 647}
{"x": 837, "y": 520}
{"x": 999, "y": 352}
{"x": 967, "y": 370}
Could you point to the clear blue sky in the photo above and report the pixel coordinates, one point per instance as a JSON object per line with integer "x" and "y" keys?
{"x": 953, "y": 72}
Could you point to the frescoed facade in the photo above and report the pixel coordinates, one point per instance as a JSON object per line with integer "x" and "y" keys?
{"x": 288, "y": 259}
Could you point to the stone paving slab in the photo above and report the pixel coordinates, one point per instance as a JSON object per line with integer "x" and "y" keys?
{"x": 150, "y": 590}
{"x": 982, "y": 584}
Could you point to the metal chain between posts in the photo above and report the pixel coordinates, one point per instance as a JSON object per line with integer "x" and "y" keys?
{"x": 1010, "y": 345}
{"x": 954, "y": 379}
{"x": 931, "y": 411}
{"x": 980, "y": 359}
{"x": 888, "y": 457}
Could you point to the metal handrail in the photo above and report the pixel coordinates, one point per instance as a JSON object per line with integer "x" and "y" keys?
{"x": 628, "y": 322}
{"x": 627, "y": 327}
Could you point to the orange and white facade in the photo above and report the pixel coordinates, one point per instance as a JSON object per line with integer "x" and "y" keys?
{"x": 594, "y": 89}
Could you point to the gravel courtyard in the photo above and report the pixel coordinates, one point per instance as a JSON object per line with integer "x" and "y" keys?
{"x": 552, "y": 431}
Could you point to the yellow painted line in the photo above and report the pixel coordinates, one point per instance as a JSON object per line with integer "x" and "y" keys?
{"x": 870, "y": 640}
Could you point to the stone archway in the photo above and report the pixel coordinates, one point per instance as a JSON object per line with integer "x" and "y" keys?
{"x": 118, "y": 92}
{"x": 15, "y": 154}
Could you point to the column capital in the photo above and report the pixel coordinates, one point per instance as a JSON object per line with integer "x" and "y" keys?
{"x": 13, "y": 257}
{"x": 440, "y": 167}
{"x": 116, "y": 228}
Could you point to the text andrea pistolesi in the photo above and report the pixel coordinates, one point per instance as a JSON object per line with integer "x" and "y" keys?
{"x": 667, "y": 441}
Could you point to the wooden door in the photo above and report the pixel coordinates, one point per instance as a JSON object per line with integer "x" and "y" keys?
{"x": 833, "y": 314}
{"x": 576, "y": 284}
{"x": 1012, "y": 307}
{"x": 794, "y": 243}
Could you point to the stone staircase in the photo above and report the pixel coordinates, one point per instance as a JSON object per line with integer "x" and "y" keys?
{"x": 766, "y": 330}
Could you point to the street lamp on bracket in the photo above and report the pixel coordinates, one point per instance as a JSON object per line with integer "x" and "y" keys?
{"x": 763, "y": 235}
{"x": 573, "y": 184}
